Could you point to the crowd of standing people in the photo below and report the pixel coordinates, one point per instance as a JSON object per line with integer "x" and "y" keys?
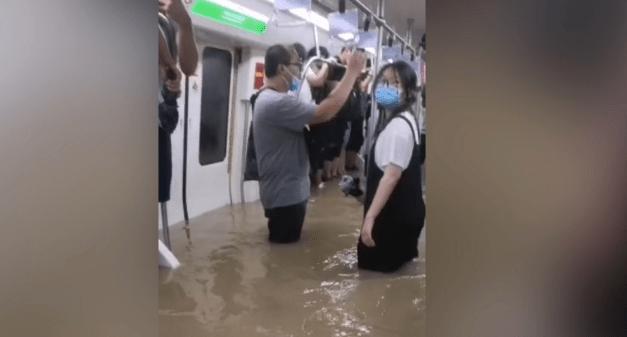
{"x": 312, "y": 131}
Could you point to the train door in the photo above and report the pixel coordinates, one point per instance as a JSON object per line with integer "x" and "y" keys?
{"x": 210, "y": 108}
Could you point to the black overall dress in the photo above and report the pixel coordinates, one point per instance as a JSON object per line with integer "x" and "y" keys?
{"x": 397, "y": 228}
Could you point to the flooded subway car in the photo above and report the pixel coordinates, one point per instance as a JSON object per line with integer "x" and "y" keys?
{"x": 221, "y": 275}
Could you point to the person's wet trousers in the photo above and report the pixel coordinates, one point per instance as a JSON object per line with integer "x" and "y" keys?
{"x": 286, "y": 223}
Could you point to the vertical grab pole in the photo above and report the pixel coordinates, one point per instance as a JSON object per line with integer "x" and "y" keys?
{"x": 372, "y": 121}
{"x": 315, "y": 31}
{"x": 379, "y": 60}
{"x": 244, "y": 150}
{"x": 186, "y": 112}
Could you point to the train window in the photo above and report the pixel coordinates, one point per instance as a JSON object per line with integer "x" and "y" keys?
{"x": 215, "y": 103}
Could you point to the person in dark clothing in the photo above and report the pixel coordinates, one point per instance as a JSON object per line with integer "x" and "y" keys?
{"x": 356, "y": 137}
{"x": 176, "y": 47}
{"x": 278, "y": 121}
{"x": 316, "y": 134}
{"x": 394, "y": 208}
{"x": 336, "y": 128}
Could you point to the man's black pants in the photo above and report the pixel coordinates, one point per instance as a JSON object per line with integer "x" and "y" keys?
{"x": 286, "y": 223}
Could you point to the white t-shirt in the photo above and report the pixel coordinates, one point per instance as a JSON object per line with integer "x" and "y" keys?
{"x": 395, "y": 144}
{"x": 305, "y": 92}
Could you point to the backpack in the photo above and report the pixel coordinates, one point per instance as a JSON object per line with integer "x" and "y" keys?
{"x": 251, "y": 170}
{"x": 168, "y": 111}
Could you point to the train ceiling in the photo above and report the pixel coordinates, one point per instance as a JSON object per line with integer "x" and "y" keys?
{"x": 397, "y": 13}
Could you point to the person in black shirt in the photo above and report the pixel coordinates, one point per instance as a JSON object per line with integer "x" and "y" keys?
{"x": 176, "y": 48}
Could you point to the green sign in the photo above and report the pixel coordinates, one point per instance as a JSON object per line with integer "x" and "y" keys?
{"x": 229, "y": 17}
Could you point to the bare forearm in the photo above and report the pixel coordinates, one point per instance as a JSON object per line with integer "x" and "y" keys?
{"x": 317, "y": 80}
{"x": 188, "y": 52}
{"x": 334, "y": 102}
{"x": 165, "y": 58}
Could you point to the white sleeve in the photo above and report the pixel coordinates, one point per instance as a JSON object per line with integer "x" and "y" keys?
{"x": 395, "y": 145}
{"x": 305, "y": 93}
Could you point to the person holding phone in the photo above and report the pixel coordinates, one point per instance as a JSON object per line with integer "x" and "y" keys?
{"x": 315, "y": 136}
{"x": 333, "y": 167}
{"x": 278, "y": 122}
{"x": 356, "y": 135}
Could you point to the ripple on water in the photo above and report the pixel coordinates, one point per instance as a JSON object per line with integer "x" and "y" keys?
{"x": 346, "y": 258}
{"x": 338, "y": 321}
{"x": 337, "y": 314}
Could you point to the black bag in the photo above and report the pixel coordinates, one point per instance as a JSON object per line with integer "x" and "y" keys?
{"x": 168, "y": 112}
{"x": 251, "y": 170}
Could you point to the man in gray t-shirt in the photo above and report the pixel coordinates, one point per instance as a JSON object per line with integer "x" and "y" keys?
{"x": 280, "y": 147}
{"x": 279, "y": 119}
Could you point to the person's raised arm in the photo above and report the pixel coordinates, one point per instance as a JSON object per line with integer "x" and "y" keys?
{"x": 188, "y": 51}
{"x": 365, "y": 84}
{"x": 165, "y": 58}
{"x": 329, "y": 107}
{"x": 316, "y": 80}
{"x": 168, "y": 70}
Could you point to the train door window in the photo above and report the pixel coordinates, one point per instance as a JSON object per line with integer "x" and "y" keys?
{"x": 214, "y": 106}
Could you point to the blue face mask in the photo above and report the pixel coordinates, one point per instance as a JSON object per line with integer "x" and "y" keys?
{"x": 295, "y": 85}
{"x": 293, "y": 82}
{"x": 388, "y": 97}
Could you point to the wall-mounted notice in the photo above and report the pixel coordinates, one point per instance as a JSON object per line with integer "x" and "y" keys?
{"x": 368, "y": 41}
{"x": 259, "y": 75}
{"x": 391, "y": 53}
{"x": 344, "y": 26}
{"x": 283, "y": 5}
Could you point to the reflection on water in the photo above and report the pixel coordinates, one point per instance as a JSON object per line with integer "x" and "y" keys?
{"x": 232, "y": 282}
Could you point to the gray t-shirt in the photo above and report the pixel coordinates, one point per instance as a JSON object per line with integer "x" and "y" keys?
{"x": 282, "y": 159}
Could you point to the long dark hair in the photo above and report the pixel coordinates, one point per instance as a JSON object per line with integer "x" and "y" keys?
{"x": 409, "y": 83}
{"x": 324, "y": 52}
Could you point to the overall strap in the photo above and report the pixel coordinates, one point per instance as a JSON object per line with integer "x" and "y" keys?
{"x": 413, "y": 133}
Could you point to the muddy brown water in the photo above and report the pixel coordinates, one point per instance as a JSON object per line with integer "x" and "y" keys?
{"x": 234, "y": 283}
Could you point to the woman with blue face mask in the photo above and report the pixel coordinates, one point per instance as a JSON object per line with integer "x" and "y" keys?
{"x": 394, "y": 208}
